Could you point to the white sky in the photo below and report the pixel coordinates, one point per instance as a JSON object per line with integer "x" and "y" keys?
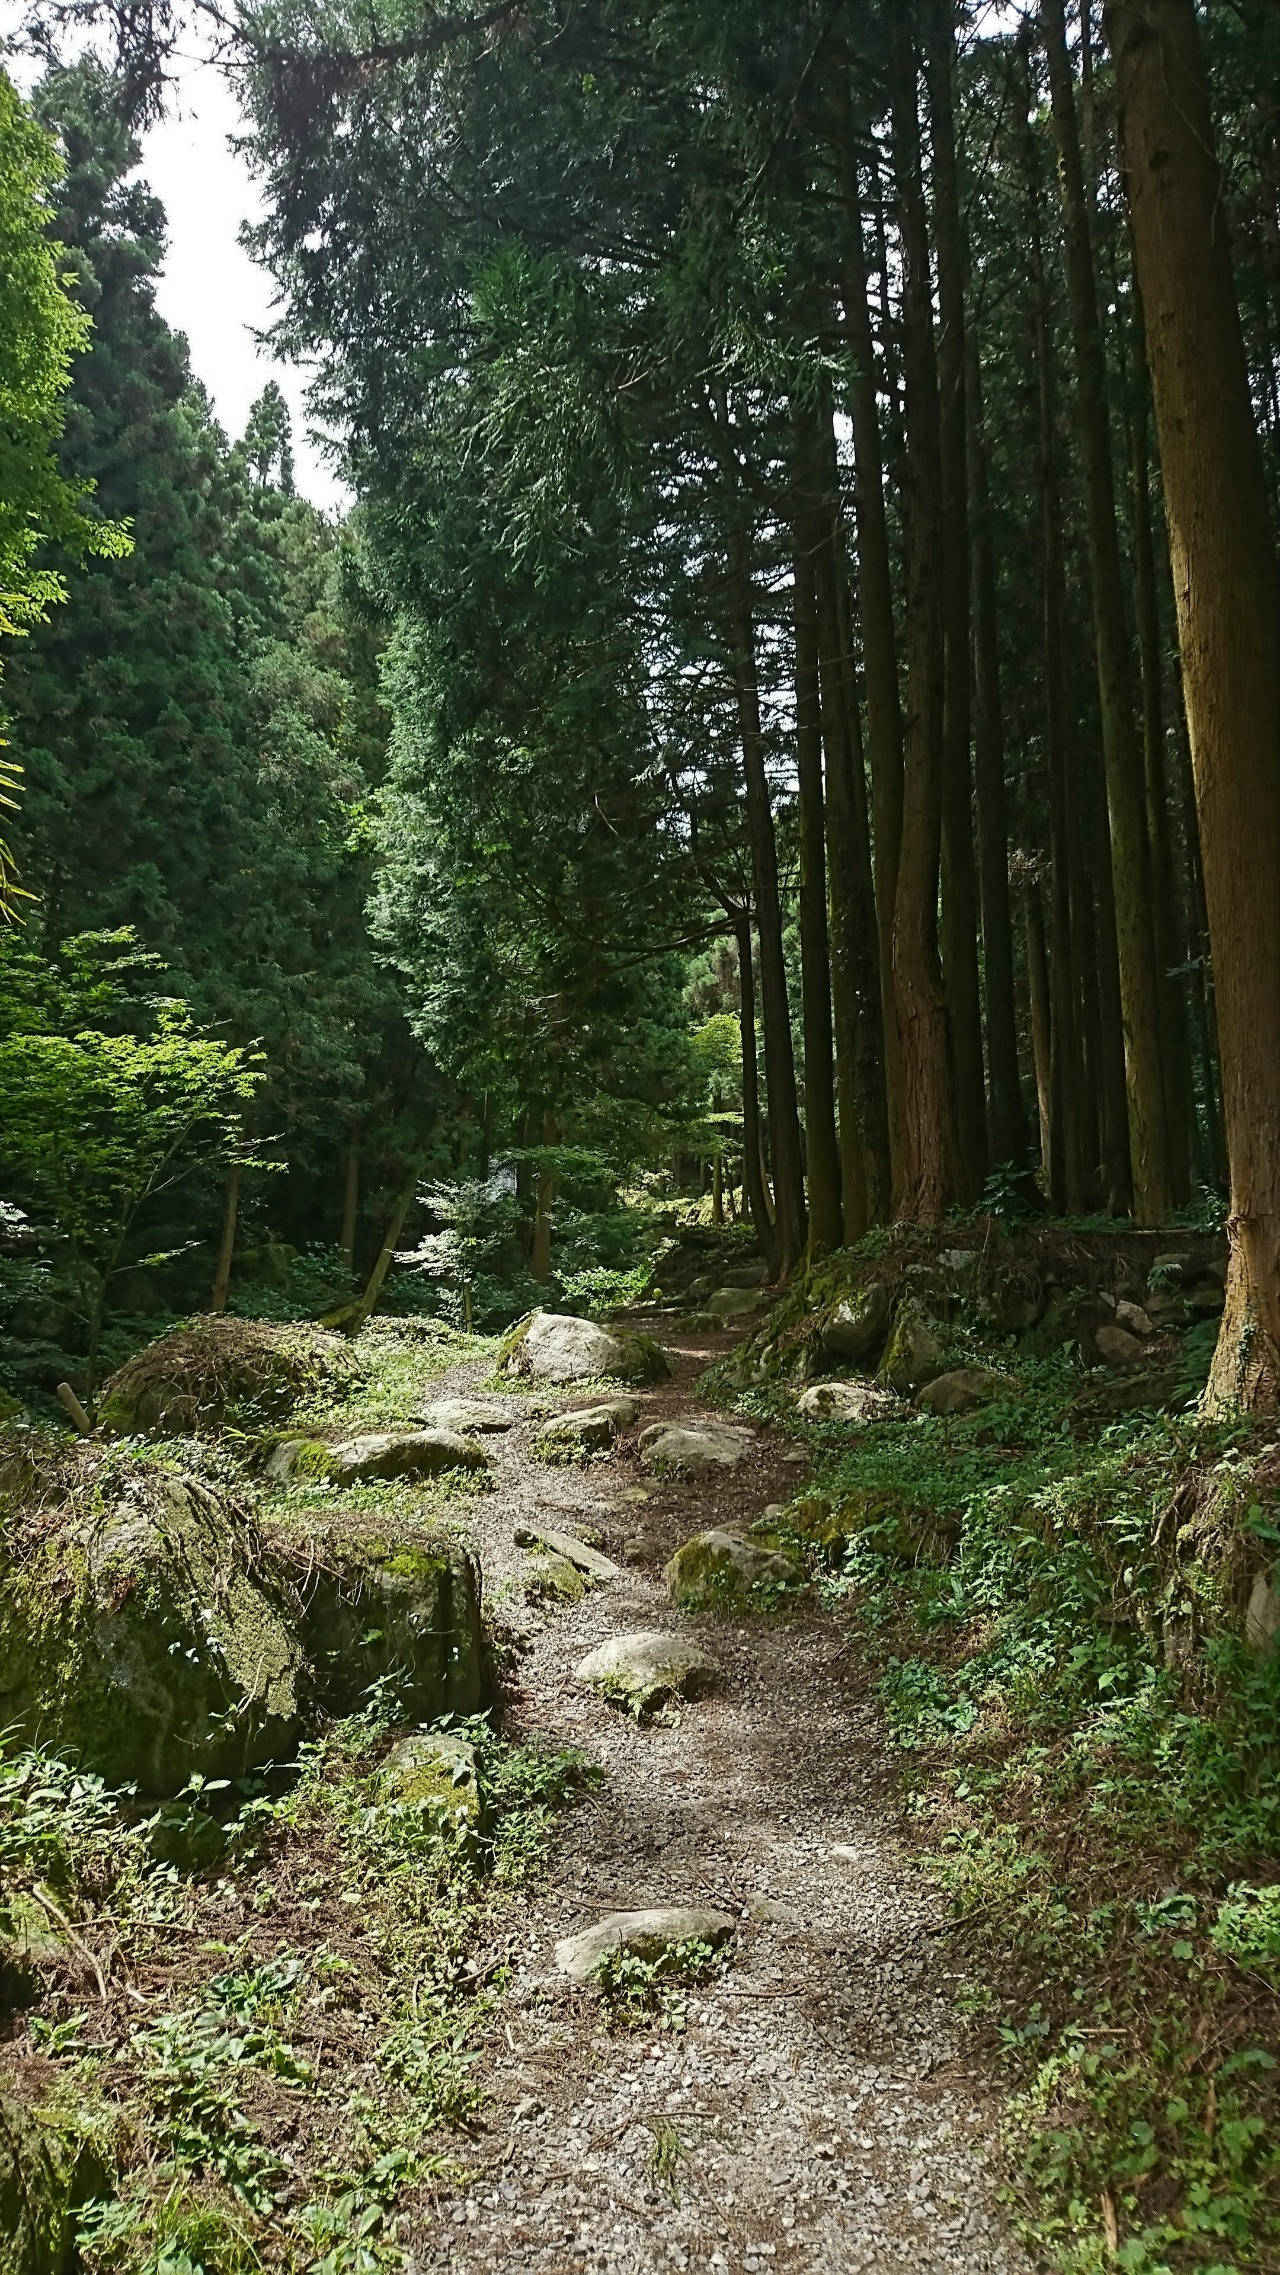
{"x": 210, "y": 289}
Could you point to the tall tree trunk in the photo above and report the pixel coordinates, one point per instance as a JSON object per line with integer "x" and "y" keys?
{"x": 1006, "y": 1122}
{"x": 540, "y": 1261}
{"x": 1113, "y": 1100}
{"x": 1227, "y": 590}
{"x": 1041, "y": 1015}
{"x": 826, "y": 1216}
{"x": 929, "y": 1114}
{"x": 753, "y": 1179}
{"x": 350, "y": 1204}
{"x": 1126, "y": 799}
{"x": 879, "y": 635}
{"x": 227, "y": 1246}
{"x": 779, "y": 1060}
{"x": 1178, "y": 1097}
{"x": 959, "y": 881}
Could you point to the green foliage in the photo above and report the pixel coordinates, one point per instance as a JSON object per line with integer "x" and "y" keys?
{"x": 640, "y": 1994}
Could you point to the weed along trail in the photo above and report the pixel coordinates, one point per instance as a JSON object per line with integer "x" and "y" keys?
{"x": 770, "y": 2077}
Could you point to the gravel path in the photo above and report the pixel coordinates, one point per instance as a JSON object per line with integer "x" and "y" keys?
{"x": 818, "y": 2112}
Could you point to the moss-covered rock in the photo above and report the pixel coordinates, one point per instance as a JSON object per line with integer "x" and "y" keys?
{"x": 300, "y": 1461}
{"x": 852, "y": 1332}
{"x": 220, "y": 1372}
{"x": 434, "y": 1773}
{"x": 554, "y": 1579}
{"x": 404, "y": 1453}
{"x": 728, "y": 1571}
{"x": 138, "y": 1632}
{"x": 556, "y": 1347}
{"x": 49, "y": 2166}
{"x": 405, "y": 1612}
{"x": 592, "y": 1429}
{"x": 913, "y": 1353}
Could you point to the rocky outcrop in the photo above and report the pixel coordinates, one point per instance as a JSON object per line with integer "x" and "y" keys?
{"x": 223, "y": 1372}
{"x": 913, "y": 1353}
{"x": 402, "y": 1612}
{"x": 555, "y": 1347}
{"x": 140, "y": 1633}
{"x": 853, "y": 1332}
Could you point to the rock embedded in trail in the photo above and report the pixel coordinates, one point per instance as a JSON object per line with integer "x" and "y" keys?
{"x": 851, "y": 1403}
{"x": 556, "y": 1347}
{"x": 649, "y": 1935}
{"x": 717, "y": 1570}
{"x": 140, "y": 1636}
{"x": 568, "y": 1545}
{"x": 404, "y": 1453}
{"x": 641, "y": 1671}
{"x": 961, "y": 1389}
{"x": 592, "y": 1429}
{"x": 465, "y": 1417}
{"x": 689, "y": 1449}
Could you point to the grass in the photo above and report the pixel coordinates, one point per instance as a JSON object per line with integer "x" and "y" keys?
{"x": 1048, "y": 1605}
{"x": 288, "y": 2046}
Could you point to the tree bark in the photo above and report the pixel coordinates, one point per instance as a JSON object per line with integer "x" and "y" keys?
{"x": 928, "y": 1110}
{"x": 1006, "y": 1121}
{"x": 753, "y": 1179}
{"x": 826, "y": 1216}
{"x": 1126, "y": 801}
{"x": 350, "y": 1205}
{"x": 1041, "y": 1015}
{"x": 959, "y": 881}
{"x": 540, "y": 1260}
{"x": 1227, "y": 591}
{"x": 227, "y": 1247}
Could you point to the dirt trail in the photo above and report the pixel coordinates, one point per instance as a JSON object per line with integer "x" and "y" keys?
{"x": 817, "y": 2113}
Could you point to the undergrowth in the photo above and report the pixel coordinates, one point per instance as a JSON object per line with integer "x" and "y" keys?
{"x": 286, "y": 2046}
{"x": 1051, "y": 1609}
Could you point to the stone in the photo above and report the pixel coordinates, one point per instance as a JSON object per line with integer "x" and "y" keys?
{"x": 402, "y": 1613}
{"x": 51, "y": 2162}
{"x": 300, "y": 1461}
{"x": 404, "y": 1453}
{"x": 641, "y": 1671}
{"x": 728, "y": 1304}
{"x": 141, "y": 1636}
{"x": 591, "y": 1429}
{"x": 556, "y": 1347}
{"x": 554, "y": 1579}
{"x": 1133, "y": 1318}
{"x": 465, "y": 1417}
{"x": 913, "y": 1353}
{"x": 962, "y": 1388}
{"x": 849, "y": 1403}
{"x": 717, "y": 1570}
{"x": 1207, "y": 1298}
{"x": 575, "y": 1551}
{"x": 222, "y": 1372}
{"x": 435, "y": 1773}
{"x": 856, "y": 1329}
{"x": 689, "y": 1449}
{"x": 1118, "y": 1347}
{"x": 649, "y": 1935}
{"x": 1262, "y": 1618}
{"x": 743, "y": 1276}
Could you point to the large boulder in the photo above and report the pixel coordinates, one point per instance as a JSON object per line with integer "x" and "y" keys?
{"x": 853, "y": 1404}
{"x": 913, "y": 1353}
{"x": 404, "y": 1453}
{"x": 50, "y": 2164}
{"x": 690, "y": 1449}
{"x": 962, "y": 1388}
{"x": 728, "y": 1305}
{"x": 140, "y": 1634}
{"x": 640, "y": 1672}
{"x": 651, "y": 1936}
{"x": 402, "y": 1612}
{"x": 720, "y": 1570}
{"x": 854, "y": 1332}
{"x": 555, "y": 1347}
{"x": 220, "y": 1372}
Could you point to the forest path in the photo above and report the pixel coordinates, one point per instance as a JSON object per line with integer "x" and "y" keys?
{"x": 817, "y": 2112}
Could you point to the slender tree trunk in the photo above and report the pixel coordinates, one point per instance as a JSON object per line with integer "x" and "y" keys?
{"x": 1126, "y": 800}
{"x": 540, "y": 1262}
{"x": 929, "y": 1114}
{"x": 350, "y": 1205}
{"x": 1041, "y": 1016}
{"x": 1198, "y": 955}
{"x": 486, "y": 1137}
{"x": 959, "y": 881}
{"x": 879, "y": 635}
{"x": 753, "y": 1178}
{"x": 353, "y": 1316}
{"x": 780, "y": 1073}
{"x": 826, "y": 1218}
{"x": 1094, "y": 838}
{"x": 1007, "y": 1126}
{"x": 1227, "y": 590}
{"x": 227, "y": 1246}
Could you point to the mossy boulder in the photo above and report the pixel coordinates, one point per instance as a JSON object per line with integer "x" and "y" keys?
{"x": 962, "y": 1388}
{"x": 139, "y": 1634}
{"x": 405, "y": 1612}
{"x": 50, "y": 2164}
{"x": 551, "y": 1346}
{"x": 722, "y": 1570}
{"x": 404, "y": 1453}
{"x": 640, "y": 1672}
{"x": 434, "y": 1773}
{"x": 300, "y": 1461}
{"x": 853, "y": 1331}
{"x": 218, "y": 1373}
{"x": 913, "y": 1354}
{"x": 814, "y": 1521}
{"x": 592, "y": 1429}
{"x": 554, "y": 1580}
{"x": 691, "y": 1449}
